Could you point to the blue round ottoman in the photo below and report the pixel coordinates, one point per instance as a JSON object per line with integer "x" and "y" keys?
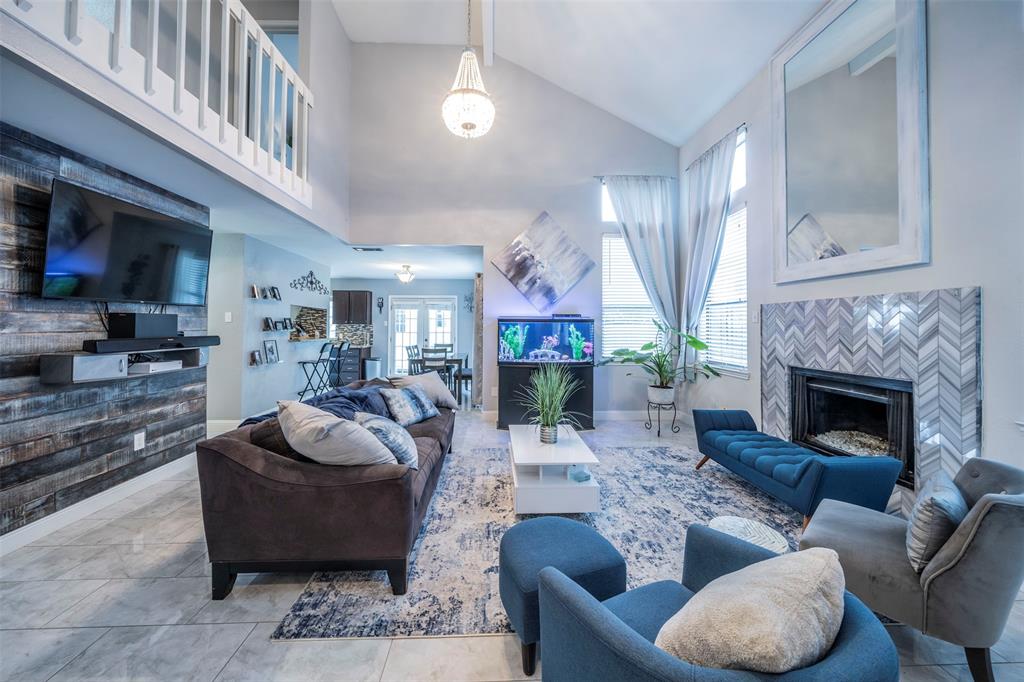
{"x": 576, "y": 550}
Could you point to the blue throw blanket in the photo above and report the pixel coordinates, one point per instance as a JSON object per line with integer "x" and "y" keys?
{"x": 341, "y": 402}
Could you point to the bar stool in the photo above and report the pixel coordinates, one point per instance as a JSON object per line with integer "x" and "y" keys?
{"x": 316, "y": 372}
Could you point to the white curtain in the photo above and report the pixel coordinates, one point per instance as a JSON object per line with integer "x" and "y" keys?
{"x": 706, "y": 201}
{"x": 644, "y": 207}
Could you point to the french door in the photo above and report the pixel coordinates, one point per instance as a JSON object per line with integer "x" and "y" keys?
{"x": 423, "y": 321}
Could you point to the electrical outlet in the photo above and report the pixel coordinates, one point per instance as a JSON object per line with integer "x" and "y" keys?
{"x": 755, "y": 316}
{"x": 494, "y": 391}
{"x": 140, "y": 441}
{"x": 227, "y": 316}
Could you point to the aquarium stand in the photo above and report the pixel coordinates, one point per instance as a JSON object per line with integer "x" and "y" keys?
{"x": 658, "y": 407}
{"x": 514, "y": 378}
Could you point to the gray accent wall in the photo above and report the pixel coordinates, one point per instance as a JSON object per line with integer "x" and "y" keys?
{"x": 976, "y": 105}
{"x": 460, "y": 288}
{"x": 61, "y": 444}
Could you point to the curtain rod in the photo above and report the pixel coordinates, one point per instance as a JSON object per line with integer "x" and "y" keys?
{"x": 600, "y": 178}
{"x": 702, "y": 154}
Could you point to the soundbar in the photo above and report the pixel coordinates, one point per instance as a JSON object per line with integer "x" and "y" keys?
{"x": 139, "y": 345}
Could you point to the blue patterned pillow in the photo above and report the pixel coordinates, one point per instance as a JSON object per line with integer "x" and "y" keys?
{"x": 394, "y": 437}
{"x": 409, "y": 405}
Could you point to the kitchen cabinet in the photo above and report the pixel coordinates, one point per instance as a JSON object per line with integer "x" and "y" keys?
{"x": 353, "y": 307}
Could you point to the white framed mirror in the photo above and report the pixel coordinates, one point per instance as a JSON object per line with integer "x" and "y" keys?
{"x": 850, "y": 141}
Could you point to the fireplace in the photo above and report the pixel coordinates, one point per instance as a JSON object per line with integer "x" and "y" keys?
{"x": 851, "y": 415}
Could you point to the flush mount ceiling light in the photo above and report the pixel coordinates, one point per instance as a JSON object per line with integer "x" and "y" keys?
{"x": 468, "y": 110}
{"x": 406, "y": 275}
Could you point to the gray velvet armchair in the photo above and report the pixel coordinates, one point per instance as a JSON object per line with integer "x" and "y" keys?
{"x": 965, "y": 593}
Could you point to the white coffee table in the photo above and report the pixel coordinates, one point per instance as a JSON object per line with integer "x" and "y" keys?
{"x": 540, "y": 473}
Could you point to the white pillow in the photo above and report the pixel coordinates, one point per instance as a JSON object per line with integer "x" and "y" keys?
{"x": 432, "y": 385}
{"x": 771, "y": 617}
{"x": 328, "y": 439}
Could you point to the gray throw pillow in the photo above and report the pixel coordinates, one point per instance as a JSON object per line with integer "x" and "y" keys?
{"x": 772, "y": 617}
{"x": 409, "y": 405}
{"x": 328, "y": 439}
{"x": 432, "y": 384}
{"x": 938, "y": 510}
{"x": 394, "y": 437}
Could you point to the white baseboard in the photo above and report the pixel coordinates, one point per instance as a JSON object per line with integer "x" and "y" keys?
{"x": 90, "y": 505}
{"x": 215, "y": 427}
{"x": 612, "y": 416}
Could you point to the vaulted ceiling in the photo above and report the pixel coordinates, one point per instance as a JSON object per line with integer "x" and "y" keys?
{"x": 666, "y": 66}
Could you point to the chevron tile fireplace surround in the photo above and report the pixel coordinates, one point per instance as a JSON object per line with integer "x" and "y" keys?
{"x": 930, "y": 338}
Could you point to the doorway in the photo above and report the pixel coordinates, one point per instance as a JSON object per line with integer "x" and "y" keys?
{"x": 424, "y": 321}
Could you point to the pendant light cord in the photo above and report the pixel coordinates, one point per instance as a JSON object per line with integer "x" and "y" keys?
{"x": 469, "y": 22}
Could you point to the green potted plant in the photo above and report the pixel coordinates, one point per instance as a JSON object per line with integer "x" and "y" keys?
{"x": 546, "y": 397}
{"x": 660, "y": 358}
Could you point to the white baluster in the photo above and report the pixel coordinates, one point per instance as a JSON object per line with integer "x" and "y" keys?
{"x": 257, "y": 97}
{"x": 242, "y": 106}
{"x": 295, "y": 132}
{"x": 204, "y": 63}
{"x": 76, "y": 10}
{"x": 179, "y": 55}
{"x": 271, "y": 111}
{"x": 122, "y": 36}
{"x": 225, "y": 61}
{"x": 284, "y": 118}
{"x": 152, "y": 25}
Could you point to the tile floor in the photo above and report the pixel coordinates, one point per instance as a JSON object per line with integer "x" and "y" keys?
{"x": 124, "y": 595}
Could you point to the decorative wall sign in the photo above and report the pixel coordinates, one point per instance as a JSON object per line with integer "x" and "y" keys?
{"x": 543, "y": 263}
{"x": 310, "y": 282}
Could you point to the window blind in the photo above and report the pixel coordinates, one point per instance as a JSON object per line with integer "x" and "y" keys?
{"x": 626, "y": 313}
{"x": 724, "y": 322}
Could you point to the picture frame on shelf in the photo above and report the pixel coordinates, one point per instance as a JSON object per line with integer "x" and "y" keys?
{"x": 275, "y": 293}
{"x": 271, "y": 352}
{"x": 268, "y": 324}
{"x": 265, "y": 293}
{"x": 255, "y": 358}
{"x": 279, "y": 326}
{"x": 255, "y": 291}
{"x": 288, "y": 323}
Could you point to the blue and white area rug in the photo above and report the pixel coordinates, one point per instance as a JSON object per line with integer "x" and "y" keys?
{"x": 649, "y": 495}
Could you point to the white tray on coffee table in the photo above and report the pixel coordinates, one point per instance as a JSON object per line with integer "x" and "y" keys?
{"x": 540, "y": 473}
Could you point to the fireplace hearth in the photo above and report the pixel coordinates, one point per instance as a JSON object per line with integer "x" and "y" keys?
{"x": 851, "y": 415}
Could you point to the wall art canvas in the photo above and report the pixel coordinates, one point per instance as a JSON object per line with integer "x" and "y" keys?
{"x": 543, "y": 263}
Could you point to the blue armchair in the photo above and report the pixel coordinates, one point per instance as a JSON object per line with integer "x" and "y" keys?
{"x": 584, "y": 639}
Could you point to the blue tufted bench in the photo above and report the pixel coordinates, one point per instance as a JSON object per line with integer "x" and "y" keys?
{"x": 795, "y": 475}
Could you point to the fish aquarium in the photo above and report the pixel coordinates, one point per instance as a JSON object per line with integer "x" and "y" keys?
{"x": 545, "y": 339}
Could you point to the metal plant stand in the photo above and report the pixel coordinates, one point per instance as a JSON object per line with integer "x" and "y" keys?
{"x": 658, "y": 407}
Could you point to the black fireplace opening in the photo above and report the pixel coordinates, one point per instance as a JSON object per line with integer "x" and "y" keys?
{"x": 851, "y": 415}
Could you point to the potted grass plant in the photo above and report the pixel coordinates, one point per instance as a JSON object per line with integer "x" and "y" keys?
{"x": 660, "y": 359}
{"x": 546, "y": 397}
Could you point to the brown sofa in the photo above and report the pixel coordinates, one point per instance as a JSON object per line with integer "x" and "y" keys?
{"x": 269, "y": 510}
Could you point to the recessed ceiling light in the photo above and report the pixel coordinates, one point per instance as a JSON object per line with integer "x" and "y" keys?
{"x": 364, "y": 249}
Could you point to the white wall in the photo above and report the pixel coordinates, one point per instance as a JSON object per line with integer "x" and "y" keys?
{"x": 419, "y": 287}
{"x": 976, "y": 57}
{"x": 326, "y": 56}
{"x": 414, "y": 182}
{"x": 236, "y": 390}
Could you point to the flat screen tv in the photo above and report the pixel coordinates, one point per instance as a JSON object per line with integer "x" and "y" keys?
{"x": 100, "y": 248}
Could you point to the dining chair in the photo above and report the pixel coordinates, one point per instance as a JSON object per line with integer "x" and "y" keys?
{"x": 412, "y": 351}
{"x": 436, "y": 360}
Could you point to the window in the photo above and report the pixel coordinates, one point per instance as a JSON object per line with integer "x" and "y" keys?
{"x": 626, "y": 313}
{"x": 723, "y": 325}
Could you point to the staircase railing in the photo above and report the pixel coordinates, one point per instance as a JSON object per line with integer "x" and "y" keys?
{"x": 186, "y": 64}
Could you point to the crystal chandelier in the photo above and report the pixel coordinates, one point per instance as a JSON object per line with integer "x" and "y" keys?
{"x": 406, "y": 275}
{"x": 468, "y": 110}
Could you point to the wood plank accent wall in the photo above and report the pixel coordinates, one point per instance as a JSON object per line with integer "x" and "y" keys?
{"x": 61, "y": 444}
